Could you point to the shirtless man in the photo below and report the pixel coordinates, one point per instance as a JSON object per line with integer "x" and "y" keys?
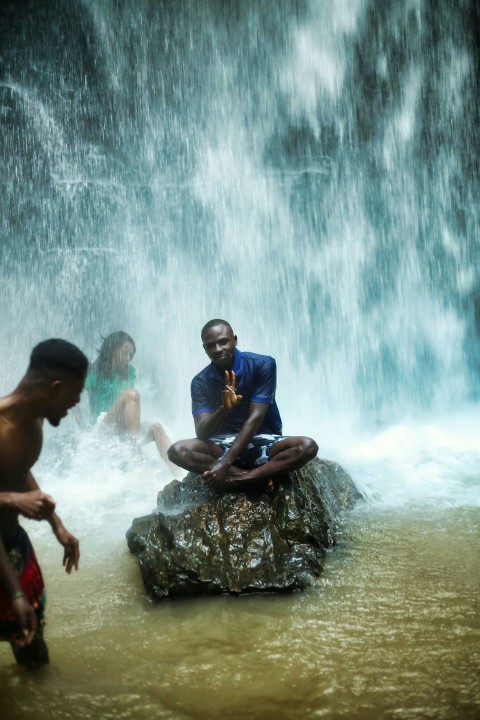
{"x": 237, "y": 422}
{"x": 51, "y": 386}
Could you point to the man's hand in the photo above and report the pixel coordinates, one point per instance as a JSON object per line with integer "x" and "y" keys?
{"x": 34, "y": 504}
{"x": 223, "y": 475}
{"x": 26, "y": 619}
{"x": 71, "y": 546}
{"x": 216, "y": 474}
{"x": 230, "y": 397}
{"x": 207, "y": 423}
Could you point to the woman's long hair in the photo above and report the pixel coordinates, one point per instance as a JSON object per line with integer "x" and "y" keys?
{"x": 103, "y": 365}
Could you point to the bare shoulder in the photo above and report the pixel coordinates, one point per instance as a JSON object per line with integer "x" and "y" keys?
{"x": 6, "y": 403}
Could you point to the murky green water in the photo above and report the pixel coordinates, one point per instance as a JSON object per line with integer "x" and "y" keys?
{"x": 392, "y": 631}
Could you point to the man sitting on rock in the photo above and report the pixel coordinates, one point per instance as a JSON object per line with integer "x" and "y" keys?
{"x": 237, "y": 422}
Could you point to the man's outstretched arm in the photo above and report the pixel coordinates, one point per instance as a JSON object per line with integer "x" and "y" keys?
{"x": 70, "y": 544}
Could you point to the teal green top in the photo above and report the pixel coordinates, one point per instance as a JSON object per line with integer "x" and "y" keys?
{"x": 104, "y": 391}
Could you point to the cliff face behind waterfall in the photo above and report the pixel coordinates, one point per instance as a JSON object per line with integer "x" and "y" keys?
{"x": 309, "y": 170}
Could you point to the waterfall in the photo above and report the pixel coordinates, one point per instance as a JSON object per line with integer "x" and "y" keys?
{"x": 307, "y": 170}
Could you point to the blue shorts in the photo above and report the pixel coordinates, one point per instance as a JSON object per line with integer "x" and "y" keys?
{"x": 256, "y": 453}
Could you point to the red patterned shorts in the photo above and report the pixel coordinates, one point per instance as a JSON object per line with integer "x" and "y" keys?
{"x": 24, "y": 562}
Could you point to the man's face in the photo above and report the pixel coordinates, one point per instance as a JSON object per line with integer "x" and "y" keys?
{"x": 219, "y": 343}
{"x": 65, "y": 394}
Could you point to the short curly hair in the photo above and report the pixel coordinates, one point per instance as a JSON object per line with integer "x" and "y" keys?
{"x": 59, "y": 356}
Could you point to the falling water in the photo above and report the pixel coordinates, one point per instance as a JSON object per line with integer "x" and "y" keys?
{"x": 309, "y": 171}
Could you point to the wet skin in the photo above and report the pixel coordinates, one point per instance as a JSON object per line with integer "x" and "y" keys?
{"x": 21, "y": 437}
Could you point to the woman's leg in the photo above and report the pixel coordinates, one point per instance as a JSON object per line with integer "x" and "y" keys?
{"x": 156, "y": 432}
{"x": 124, "y": 415}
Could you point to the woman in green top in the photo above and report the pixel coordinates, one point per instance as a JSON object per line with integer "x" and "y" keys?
{"x": 112, "y": 396}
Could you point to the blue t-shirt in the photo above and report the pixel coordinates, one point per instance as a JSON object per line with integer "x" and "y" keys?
{"x": 256, "y": 382}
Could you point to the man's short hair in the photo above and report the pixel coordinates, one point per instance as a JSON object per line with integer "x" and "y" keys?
{"x": 58, "y": 356}
{"x": 214, "y": 323}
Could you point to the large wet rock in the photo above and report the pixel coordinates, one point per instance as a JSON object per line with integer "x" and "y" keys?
{"x": 273, "y": 540}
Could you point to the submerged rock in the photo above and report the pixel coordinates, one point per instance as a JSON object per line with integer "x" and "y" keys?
{"x": 201, "y": 542}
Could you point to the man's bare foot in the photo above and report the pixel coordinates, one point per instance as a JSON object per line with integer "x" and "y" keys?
{"x": 236, "y": 471}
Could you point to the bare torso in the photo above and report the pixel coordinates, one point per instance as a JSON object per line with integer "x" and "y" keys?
{"x": 20, "y": 446}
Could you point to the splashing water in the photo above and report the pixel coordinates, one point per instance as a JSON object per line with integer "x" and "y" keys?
{"x": 305, "y": 173}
